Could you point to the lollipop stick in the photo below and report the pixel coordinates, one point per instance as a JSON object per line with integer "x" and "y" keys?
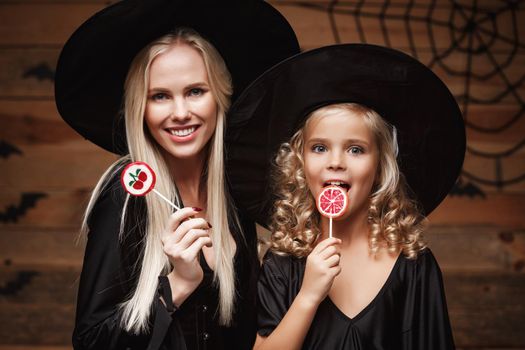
{"x": 166, "y": 199}
{"x": 330, "y": 231}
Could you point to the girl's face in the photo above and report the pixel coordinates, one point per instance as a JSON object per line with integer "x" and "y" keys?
{"x": 181, "y": 112}
{"x": 340, "y": 149}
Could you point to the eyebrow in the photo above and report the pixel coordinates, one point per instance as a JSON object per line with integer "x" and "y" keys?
{"x": 327, "y": 140}
{"x": 191, "y": 86}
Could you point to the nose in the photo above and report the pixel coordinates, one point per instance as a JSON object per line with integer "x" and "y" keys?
{"x": 336, "y": 161}
{"x": 180, "y": 111}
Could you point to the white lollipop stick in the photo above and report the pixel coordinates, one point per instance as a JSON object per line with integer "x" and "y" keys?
{"x": 330, "y": 231}
{"x": 166, "y": 199}
{"x": 138, "y": 179}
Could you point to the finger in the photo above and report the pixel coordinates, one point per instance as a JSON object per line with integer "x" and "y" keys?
{"x": 184, "y": 227}
{"x": 190, "y": 224}
{"x": 325, "y": 243}
{"x": 191, "y": 236}
{"x": 333, "y": 260}
{"x": 194, "y": 249}
{"x": 179, "y": 216}
{"x": 328, "y": 252}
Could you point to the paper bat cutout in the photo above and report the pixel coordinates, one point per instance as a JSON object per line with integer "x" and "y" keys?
{"x": 40, "y": 72}
{"x": 467, "y": 189}
{"x": 6, "y": 150}
{"x": 23, "y": 278}
{"x": 27, "y": 201}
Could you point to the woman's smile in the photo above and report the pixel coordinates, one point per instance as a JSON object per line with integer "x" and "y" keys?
{"x": 181, "y": 110}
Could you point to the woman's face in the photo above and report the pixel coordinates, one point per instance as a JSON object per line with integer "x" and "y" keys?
{"x": 181, "y": 112}
{"x": 339, "y": 149}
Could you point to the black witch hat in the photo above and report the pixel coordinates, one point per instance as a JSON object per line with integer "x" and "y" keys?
{"x": 250, "y": 35}
{"x": 431, "y": 132}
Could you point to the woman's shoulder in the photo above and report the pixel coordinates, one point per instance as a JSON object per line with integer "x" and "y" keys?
{"x": 108, "y": 196}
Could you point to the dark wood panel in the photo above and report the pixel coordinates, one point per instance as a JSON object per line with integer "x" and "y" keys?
{"x": 33, "y": 347}
{"x": 57, "y": 209}
{"x": 40, "y": 23}
{"x": 27, "y": 72}
{"x": 495, "y": 116}
{"x": 44, "y": 286}
{"x": 496, "y": 209}
{"x": 50, "y": 324}
{"x": 33, "y": 247}
{"x": 482, "y": 248}
{"x": 486, "y": 310}
{"x": 68, "y": 166}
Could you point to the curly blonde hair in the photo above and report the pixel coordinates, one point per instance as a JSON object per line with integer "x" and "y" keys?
{"x": 395, "y": 220}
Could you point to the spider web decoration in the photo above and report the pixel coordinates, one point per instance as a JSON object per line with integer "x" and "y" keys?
{"x": 452, "y": 38}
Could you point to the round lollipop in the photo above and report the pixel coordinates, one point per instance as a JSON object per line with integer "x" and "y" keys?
{"x": 332, "y": 203}
{"x": 138, "y": 179}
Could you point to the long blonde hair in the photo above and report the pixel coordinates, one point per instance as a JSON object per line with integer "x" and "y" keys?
{"x": 393, "y": 217}
{"x": 136, "y": 310}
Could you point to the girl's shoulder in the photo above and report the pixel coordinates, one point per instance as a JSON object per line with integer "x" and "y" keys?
{"x": 424, "y": 266}
{"x": 277, "y": 264}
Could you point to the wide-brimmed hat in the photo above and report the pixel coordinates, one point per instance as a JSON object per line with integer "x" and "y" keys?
{"x": 431, "y": 132}
{"x": 250, "y": 35}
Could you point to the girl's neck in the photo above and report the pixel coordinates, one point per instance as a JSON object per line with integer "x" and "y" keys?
{"x": 352, "y": 231}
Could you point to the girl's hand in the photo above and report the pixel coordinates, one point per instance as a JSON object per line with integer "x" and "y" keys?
{"x": 182, "y": 241}
{"x": 322, "y": 265}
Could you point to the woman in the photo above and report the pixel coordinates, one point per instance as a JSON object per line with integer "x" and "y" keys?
{"x": 153, "y": 278}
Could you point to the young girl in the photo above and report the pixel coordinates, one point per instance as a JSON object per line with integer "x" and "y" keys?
{"x": 375, "y": 284}
{"x": 153, "y": 278}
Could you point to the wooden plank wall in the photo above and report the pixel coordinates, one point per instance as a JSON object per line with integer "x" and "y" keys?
{"x": 48, "y": 170}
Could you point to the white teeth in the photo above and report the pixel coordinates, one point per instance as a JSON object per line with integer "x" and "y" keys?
{"x": 183, "y": 132}
{"x": 336, "y": 183}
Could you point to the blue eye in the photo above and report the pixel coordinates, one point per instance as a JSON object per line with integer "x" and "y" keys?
{"x": 318, "y": 148}
{"x": 355, "y": 150}
{"x": 159, "y": 96}
{"x": 196, "y": 92}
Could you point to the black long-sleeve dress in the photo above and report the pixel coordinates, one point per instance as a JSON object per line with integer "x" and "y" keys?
{"x": 109, "y": 276}
{"x": 408, "y": 313}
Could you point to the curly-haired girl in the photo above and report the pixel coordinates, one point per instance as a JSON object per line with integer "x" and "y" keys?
{"x": 374, "y": 284}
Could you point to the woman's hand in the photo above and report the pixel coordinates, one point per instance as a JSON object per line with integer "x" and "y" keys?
{"x": 183, "y": 240}
{"x": 322, "y": 265}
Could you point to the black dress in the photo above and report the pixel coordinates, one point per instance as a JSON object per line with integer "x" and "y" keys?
{"x": 409, "y": 312}
{"x": 108, "y": 277}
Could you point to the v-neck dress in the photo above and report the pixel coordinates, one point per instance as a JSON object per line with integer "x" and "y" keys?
{"x": 409, "y": 312}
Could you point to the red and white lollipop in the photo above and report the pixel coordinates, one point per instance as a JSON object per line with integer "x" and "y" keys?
{"x": 138, "y": 179}
{"x": 332, "y": 203}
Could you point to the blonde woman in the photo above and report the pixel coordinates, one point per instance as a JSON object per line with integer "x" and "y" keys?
{"x": 153, "y": 278}
{"x": 363, "y": 118}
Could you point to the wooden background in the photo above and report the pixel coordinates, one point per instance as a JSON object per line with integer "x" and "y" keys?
{"x": 47, "y": 170}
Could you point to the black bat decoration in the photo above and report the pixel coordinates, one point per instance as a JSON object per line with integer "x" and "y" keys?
{"x": 14, "y": 212}
{"x": 467, "y": 189}
{"x": 6, "y": 149}
{"x": 23, "y": 278}
{"x": 40, "y": 72}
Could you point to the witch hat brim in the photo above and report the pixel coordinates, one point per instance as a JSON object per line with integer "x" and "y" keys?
{"x": 250, "y": 35}
{"x": 406, "y": 93}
